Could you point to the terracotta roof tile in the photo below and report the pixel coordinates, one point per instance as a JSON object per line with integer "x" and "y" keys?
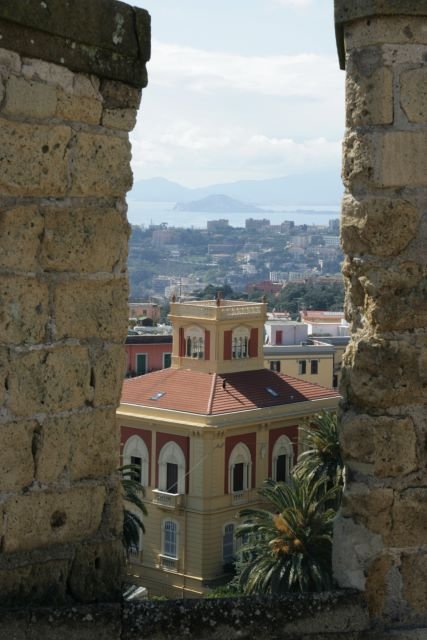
{"x": 211, "y": 394}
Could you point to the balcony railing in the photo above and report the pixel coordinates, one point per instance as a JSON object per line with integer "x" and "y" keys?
{"x": 240, "y": 497}
{"x": 167, "y": 563}
{"x": 167, "y": 500}
{"x": 227, "y": 309}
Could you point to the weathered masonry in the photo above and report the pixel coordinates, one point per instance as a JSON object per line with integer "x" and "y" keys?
{"x": 70, "y": 81}
{"x": 381, "y": 536}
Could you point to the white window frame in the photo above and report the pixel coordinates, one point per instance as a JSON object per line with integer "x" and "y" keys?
{"x": 240, "y": 454}
{"x": 282, "y": 446}
{"x": 240, "y": 343}
{"x": 165, "y": 551}
{"x": 171, "y": 453}
{"x": 135, "y": 447}
{"x": 230, "y": 558}
{"x": 194, "y": 341}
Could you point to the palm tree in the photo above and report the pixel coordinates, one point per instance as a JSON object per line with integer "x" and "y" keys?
{"x": 322, "y": 458}
{"x": 133, "y": 492}
{"x": 289, "y": 549}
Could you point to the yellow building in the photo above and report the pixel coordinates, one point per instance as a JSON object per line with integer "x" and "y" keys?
{"x": 207, "y": 432}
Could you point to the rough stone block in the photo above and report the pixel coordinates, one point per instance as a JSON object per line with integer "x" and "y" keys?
{"x": 358, "y": 159}
{"x": 381, "y": 373}
{"x": 10, "y": 62}
{"x": 34, "y": 159}
{"x": 381, "y": 226}
{"x": 377, "y": 585}
{"x": 117, "y": 95}
{"x": 41, "y": 518}
{"x": 101, "y": 165}
{"x": 96, "y": 571}
{"x": 38, "y": 582}
{"x": 108, "y": 366}
{"x": 85, "y": 445}
{"x": 369, "y": 89}
{"x": 29, "y": 99}
{"x": 20, "y": 231}
{"x": 388, "y": 444}
{"x": 78, "y": 108}
{"x": 413, "y": 94}
{"x": 385, "y": 30}
{"x": 50, "y": 380}
{"x": 414, "y": 572}
{"x": 91, "y": 309}
{"x": 124, "y": 119}
{"x": 84, "y": 240}
{"x": 369, "y": 507}
{"x": 24, "y": 304}
{"x": 16, "y": 462}
{"x": 409, "y": 519}
{"x": 401, "y": 160}
{"x": 54, "y": 74}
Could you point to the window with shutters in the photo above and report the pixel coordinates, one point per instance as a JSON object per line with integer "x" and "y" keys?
{"x": 240, "y": 469}
{"x": 170, "y": 530}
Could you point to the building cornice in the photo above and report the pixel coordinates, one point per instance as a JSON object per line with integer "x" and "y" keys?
{"x": 349, "y": 10}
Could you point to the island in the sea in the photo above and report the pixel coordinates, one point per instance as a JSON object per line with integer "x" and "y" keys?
{"x": 218, "y": 204}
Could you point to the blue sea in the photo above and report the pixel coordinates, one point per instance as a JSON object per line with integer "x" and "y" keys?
{"x": 153, "y": 213}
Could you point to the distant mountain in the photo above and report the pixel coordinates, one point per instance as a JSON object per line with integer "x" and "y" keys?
{"x": 323, "y": 188}
{"x": 218, "y": 204}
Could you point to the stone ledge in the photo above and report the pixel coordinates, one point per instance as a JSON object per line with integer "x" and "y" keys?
{"x": 104, "y": 37}
{"x": 348, "y": 10}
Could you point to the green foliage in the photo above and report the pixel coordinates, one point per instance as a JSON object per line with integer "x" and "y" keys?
{"x": 290, "y": 549}
{"x": 295, "y": 296}
{"x": 321, "y": 458}
{"x": 133, "y": 493}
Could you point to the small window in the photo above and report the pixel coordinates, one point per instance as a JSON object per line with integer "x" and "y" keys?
{"x": 135, "y": 452}
{"x": 240, "y": 468}
{"x": 172, "y": 469}
{"x": 170, "y": 539}
{"x": 275, "y": 365}
{"x": 167, "y": 360}
{"x": 302, "y": 367}
{"x": 141, "y": 364}
{"x": 228, "y": 543}
{"x": 282, "y": 459}
{"x": 272, "y": 392}
{"x": 171, "y": 477}
{"x": 158, "y": 395}
{"x": 314, "y": 367}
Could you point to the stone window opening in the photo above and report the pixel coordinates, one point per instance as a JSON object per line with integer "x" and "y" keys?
{"x": 282, "y": 459}
{"x": 135, "y": 452}
{"x": 170, "y": 533}
{"x": 194, "y": 343}
{"x": 240, "y": 343}
{"x": 240, "y": 469}
{"x": 172, "y": 469}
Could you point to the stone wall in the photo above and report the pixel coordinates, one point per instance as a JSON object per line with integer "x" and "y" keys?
{"x": 70, "y": 83}
{"x": 381, "y": 535}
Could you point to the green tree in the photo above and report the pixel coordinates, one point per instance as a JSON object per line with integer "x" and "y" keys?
{"x": 289, "y": 548}
{"x": 133, "y": 492}
{"x": 322, "y": 456}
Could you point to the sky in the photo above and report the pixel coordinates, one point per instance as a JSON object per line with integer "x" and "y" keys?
{"x": 239, "y": 89}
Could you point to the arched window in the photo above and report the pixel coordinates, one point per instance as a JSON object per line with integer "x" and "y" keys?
{"x": 194, "y": 342}
{"x": 172, "y": 469}
{"x": 170, "y": 535}
{"x": 240, "y": 342}
{"x": 283, "y": 459}
{"x": 135, "y": 452}
{"x": 240, "y": 469}
{"x": 228, "y": 543}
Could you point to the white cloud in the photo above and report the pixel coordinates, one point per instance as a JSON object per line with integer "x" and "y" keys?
{"x": 299, "y": 4}
{"x": 304, "y": 75}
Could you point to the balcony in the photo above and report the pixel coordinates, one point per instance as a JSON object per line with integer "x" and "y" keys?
{"x": 167, "y": 500}
{"x": 167, "y": 563}
{"x": 240, "y": 497}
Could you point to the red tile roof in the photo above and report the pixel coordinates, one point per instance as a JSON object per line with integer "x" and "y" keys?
{"x": 212, "y": 394}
